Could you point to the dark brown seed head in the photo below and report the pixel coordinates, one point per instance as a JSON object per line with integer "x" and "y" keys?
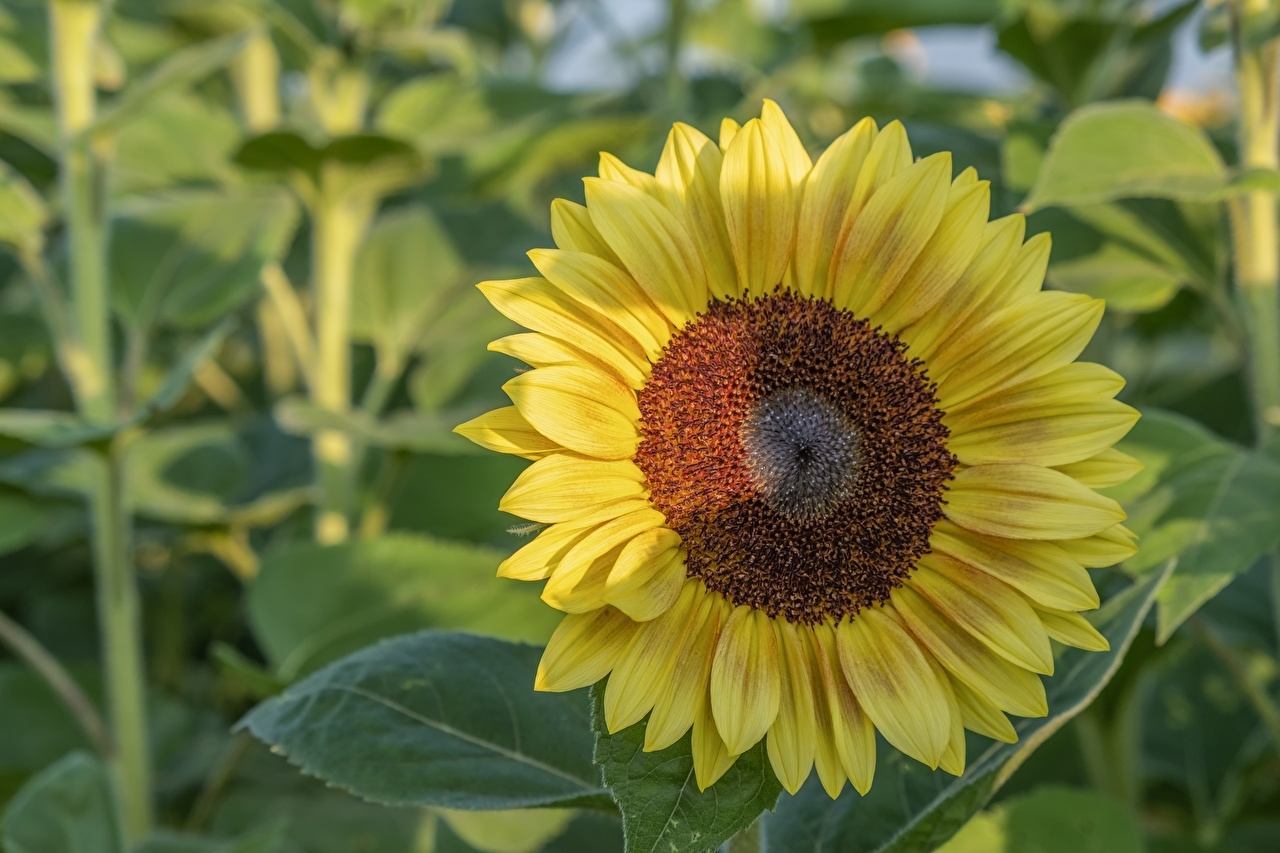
{"x": 797, "y": 451}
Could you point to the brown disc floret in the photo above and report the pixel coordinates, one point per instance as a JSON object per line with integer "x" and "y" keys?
{"x": 798, "y": 452}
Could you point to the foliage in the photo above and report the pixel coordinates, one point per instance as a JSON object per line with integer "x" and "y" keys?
{"x": 250, "y": 403}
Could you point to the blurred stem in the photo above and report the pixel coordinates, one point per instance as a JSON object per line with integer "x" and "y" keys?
{"x": 677, "y": 90}
{"x": 1255, "y": 234}
{"x": 73, "y": 28}
{"x": 337, "y": 226}
{"x": 237, "y": 748}
{"x": 47, "y": 667}
{"x": 255, "y": 73}
{"x": 120, "y": 621}
{"x": 293, "y": 318}
{"x": 377, "y": 513}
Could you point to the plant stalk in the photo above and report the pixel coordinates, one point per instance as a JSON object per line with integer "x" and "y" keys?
{"x": 337, "y": 226}
{"x": 74, "y": 26}
{"x": 1255, "y": 232}
{"x": 255, "y": 73}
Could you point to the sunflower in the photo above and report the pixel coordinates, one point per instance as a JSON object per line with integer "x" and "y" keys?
{"x": 812, "y": 451}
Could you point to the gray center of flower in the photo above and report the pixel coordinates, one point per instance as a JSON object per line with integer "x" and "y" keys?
{"x": 801, "y": 451}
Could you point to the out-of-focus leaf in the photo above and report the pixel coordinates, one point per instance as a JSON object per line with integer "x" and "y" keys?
{"x": 1051, "y": 820}
{"x": 66, "y": 808}
{"x": 53, "y": 430}
{"x": 364, "y": 163}
{"x": 831, "y": 23}
{"x": 181, "y": 69}
{"x": 22, "y": 521}
{"x": 247, "y": 675}
{"x": 405, "y": 273}
{"x": 191, "y": 257}
{"x": 269, "y": 840}
{"x": 420, "y": 433}
{"x": 394, "y": 13}
{"x": 515, "y": 831}
{"x": 23, "y": 214}
{"x": 662, "y": 808}
{"x": 912, "y": 809}
{"x": 181, "y": 138}
{"x": 437, "y": 719}
{"x": 178, "y": 379}
{"x": 440, "y": 114}
{"x": 36, "y": 729}
{"x": 1213, "y": 506}
{"x": 311, "y": 604}
{"x": 1127, "y": 149}
{"x": 36, "y": 125}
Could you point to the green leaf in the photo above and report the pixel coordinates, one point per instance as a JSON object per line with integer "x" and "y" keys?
{"x": 183, "y": 68}
{"x": 53, "y": 430}
{"x": 662, "y": 808}
{"x": 180, "y": 138}
{"x": 912, "y": 809}
{"x": 66, "y": 808}
{"x": 1053, "y": 819}
{"x": 440, "y": 114}
{"x": 437, "y": 719}
{"x": 178, "y": 379}
{"x": 24, "y": 521}
{"x": 269, "y": 840}
{"x": 35, "y": 125}
{"x": 1127, "y": 149}
{"x": 1213, "y": 506}
{"x": 191, "y": 257}
{"x": 514, "y": 831}
{"x": 833, "y": 23}
{"x": 312, "y": 604}
{"x": 23, "y": 214}
{"x": 416, "y": 432}
{"x": 406, "y": 272}
{"x": 364, "y": 163}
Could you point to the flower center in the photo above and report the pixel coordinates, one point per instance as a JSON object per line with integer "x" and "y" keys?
{"x": 798, "y": 452}
{"x": 801, "y": 451}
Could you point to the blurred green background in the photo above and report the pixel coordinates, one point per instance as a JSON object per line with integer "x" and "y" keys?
{"x": 302, "y": 191}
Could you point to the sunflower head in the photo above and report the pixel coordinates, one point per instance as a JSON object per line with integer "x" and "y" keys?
{"x": 812, "y": 449}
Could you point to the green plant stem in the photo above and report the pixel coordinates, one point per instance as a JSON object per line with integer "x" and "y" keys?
{"x": 1255, "y": 232}
{"x": 120, "y": 620}
{"x": 47, "y": 667}
{"x": 255, "y": 73}
{"x": 74, "y": 26}
{"x": 337, "y": 226}
{"x": 237, "y": 748}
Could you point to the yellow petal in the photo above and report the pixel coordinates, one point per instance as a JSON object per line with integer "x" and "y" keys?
{"x": 647, "y": 663}
{"x": 953, "y": 757}
{"x": 1106, "y": 469}
{"x": 852, "y": 734}
{"x": 580, "y": 408}
{"x": 1072, "y": 629}
{"x": 895, "y": 684}
{"x": 1041, "y": 571}
{"x": 981, "y": 715}
{"x": 538, "y": 350}
{"x": 1026, "y": 275}
{"x": 506, "y": 431}
{"x": 538, "y": 305}
{"x": 1056, "y": 433}
{"x": 1111, "y": 546}
{"x": 609, "y": 292}
{"x": 890, "y": 154}
{"x": 991, "y": 610}
{"x": 1010, "y": 687}
{"x": 1017, "y": 343}
{"x": 745, "y": 683}
{"x": 1053, "y": 392}
{"x": 583, "y": 650}
{"x": 711, "y": 757}
{"x": 759, "y": 208}
{"x": 613, "y": 169}
{"x": 792, "y": 737}
{"x": 1000, "y": 239}
{"x": 824, "y": 200}
{"x": 728, "y": 130}
{"x": 539, "y": 558}
{"x": 573, "y": 230}
{"x": 653, "y": 246}
{"x": 945, "y": 257}
{"x": 564, "y": 487}
{"x": 689, "y": 179}
{"x": 889, "y": 235}
{"x": 789, "y": 144}
{"x": 578, "y": 582}
{"x": 685, "y": 691}
{"x": 1026, "y": 502}
{"x": 648, "y": 575}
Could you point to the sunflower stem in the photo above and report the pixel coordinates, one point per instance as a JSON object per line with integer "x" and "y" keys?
{"x": 1255, "y": 231}
{"x": 74, "y": 27}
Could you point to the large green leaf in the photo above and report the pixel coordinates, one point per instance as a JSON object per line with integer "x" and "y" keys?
{"x": 191, "y": 257}
{"x": 269, "y": 840}
{"x": 1210, "y": 504}
{"x": 440, "y": 113}
{"x": 662, "y": 808}
{"x": 181, "y": 138}
{"x": 312, "y": 604}
{"x": 66, "y": 808}
{"x": 365, "y": 163}
{"x": 1127, "y": 149}
{"x": 912, "y": 809}
{"x": 437, "y": 719}
{"x": 1051, "y": 820}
